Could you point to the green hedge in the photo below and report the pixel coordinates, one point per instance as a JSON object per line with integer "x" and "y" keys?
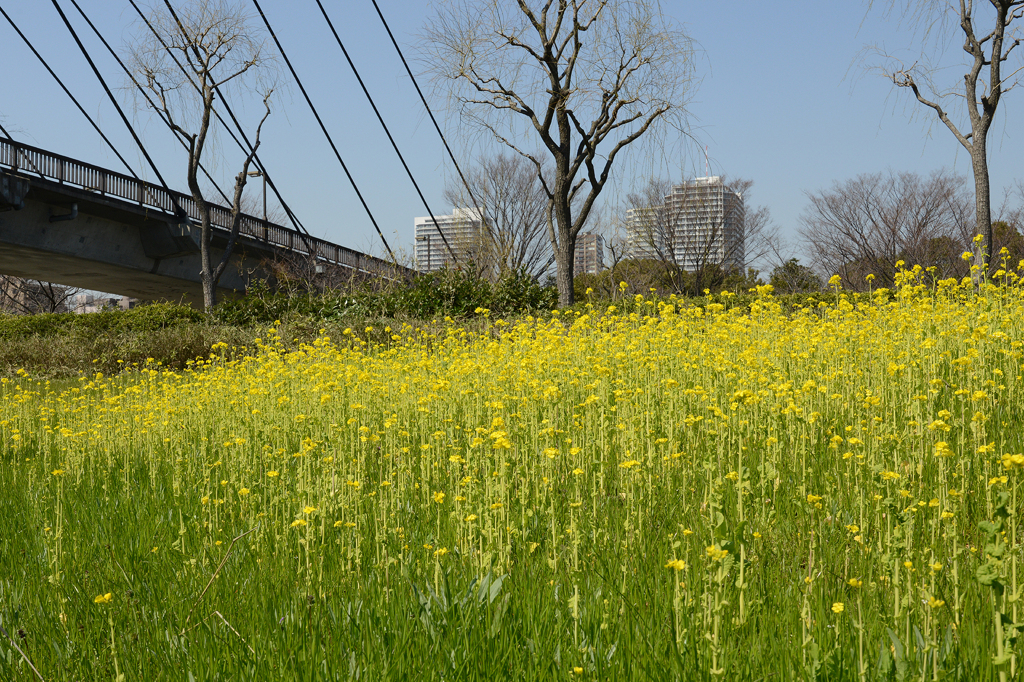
{"x": 145, "y": 318}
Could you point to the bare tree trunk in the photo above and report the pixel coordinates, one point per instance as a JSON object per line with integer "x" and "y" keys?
{"x": 982, "y": 203}
{"x": 565, "y": 262}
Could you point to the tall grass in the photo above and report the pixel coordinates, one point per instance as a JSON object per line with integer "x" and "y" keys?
{"x": 641, "y": 491}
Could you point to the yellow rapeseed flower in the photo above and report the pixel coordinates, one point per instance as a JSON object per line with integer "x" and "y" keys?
{"x": 716, "y": 553}
{"x": 104, "y": 598}
{"x": 838, "y": 607}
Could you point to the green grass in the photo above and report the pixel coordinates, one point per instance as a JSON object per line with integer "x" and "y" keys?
{"x": 760, "y": 491}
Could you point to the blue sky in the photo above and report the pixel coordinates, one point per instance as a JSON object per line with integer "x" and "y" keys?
{"x": 783, "y": 99}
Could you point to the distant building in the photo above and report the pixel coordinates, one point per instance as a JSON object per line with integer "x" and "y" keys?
{"x": 464, "y": 231}
{"x": 700, "y": 223}
{"x": 589, "y": 254}
{"x": 90, "y": 303}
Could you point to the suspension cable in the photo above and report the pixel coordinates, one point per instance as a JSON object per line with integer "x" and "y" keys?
{"x": 68, "y": 93}
{"x": 324, "y": 129}
{"x": 426, "y": 106}
{"x": 366, "y": 92}
{"x": 256, "y": 159}
{"x": 152, "y": 104}
{"x": 178, "y": 210}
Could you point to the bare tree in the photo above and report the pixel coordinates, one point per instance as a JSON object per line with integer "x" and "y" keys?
{"x": 30, "y": 296}
{"x": 700, "y": 230}
{"x": 863, "y": 226}
{"x": 791, "y": 277}
{"x": 584, "y": 78}
{"x": 185, "y": 63}
{"x": 983, "y": 85}
{"x": 514, "y": 209}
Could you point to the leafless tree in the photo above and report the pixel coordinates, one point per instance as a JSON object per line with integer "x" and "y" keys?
{"x": 514, "y": 208}
{"x": 700, "y": 230}
{"x": 216, "y": 47}
{"x": 863, "y": 226}
{"x": 30, "y": 296}
{"x": 584, "y": 78}
{"x": 984, "y": 83}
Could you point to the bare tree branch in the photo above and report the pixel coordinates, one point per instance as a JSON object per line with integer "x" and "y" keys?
{"x": 978, "y": 96}
{"x": 863, "y": 226}
{"x": 218, "y": 48}
{"x": 587, "y": 79}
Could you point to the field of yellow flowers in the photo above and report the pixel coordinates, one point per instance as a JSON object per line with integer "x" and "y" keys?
{"x": 647, "y": 491}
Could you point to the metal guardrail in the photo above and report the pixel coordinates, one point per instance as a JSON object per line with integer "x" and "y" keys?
{"x": 64, "y": 170}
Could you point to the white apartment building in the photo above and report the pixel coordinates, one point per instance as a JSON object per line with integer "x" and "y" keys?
{"x": 700, "y": 223}
{"x": 465, "y": 234}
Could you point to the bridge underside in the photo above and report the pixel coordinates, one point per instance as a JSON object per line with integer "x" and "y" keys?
{"x": 112, "y": 246}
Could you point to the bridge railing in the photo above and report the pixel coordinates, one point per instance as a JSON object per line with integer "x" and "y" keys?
{"x": 64, "y": 170}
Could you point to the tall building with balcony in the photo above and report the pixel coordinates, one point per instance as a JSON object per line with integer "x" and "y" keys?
{"x": 464, "y": 231}
{"x": 699, "y": 224}
{"x": 589, "y": 258}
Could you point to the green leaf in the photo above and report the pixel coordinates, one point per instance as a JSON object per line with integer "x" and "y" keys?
{"x": 987, "y": 573}
{"x": 996, "y": 550}
{"x": 496, "y": 587}
{"x": 989, "y": 528}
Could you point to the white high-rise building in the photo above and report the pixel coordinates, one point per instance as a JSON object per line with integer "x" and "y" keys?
{"x": 463, "y": 230}
{"x": 700, "y": 223}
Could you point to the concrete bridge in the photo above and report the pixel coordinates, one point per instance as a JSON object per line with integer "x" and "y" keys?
{"x": 76, "y": 224}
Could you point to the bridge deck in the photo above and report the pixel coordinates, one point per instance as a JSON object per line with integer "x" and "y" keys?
{"x": 32, "y": 161}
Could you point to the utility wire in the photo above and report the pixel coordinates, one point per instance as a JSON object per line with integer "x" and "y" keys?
{"x": 166, "y": 121}
{"x": 68, "y": 93}
{"x": 366, "y": 92}
{"x": 426, "y": 106}
{"x": 324, "y": 129}
{"x": 178, "y": 210}
{"x": 256, "y": 159}
{"x": 248, "y": 148}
